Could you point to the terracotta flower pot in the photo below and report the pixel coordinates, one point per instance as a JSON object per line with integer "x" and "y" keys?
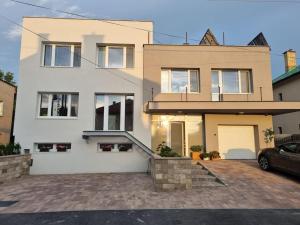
{"x": 196, "y": 155}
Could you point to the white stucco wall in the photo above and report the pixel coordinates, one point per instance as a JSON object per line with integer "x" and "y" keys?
{"x": 86, "y": 80}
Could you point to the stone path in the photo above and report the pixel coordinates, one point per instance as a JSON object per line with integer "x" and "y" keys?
{"x": 247, "y": 187}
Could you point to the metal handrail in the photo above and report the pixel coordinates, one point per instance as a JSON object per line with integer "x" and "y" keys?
{"x": 116, "y": 134}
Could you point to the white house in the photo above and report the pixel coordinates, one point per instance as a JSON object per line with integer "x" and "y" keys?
{"x": 78, "y": 76}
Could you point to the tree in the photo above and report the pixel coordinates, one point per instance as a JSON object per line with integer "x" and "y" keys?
{"x": 9, "y": 77}
{"x": 1, "y": 75}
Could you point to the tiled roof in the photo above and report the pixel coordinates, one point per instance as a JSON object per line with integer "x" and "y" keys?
{"x": 291, "y": 73}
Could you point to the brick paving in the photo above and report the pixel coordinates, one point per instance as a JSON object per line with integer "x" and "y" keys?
{"x": 247, "y": 187}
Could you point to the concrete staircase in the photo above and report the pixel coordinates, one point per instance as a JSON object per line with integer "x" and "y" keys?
{"x": 201, "y": 177}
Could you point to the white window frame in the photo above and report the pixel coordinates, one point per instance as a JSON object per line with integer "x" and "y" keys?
{"x": 107, "y": 56}
{"x": 189, "y": 81}
{"x": 1, "y": 108}
{"x": 220, "y": 77}
{"x": 53, "y": 150}
{"x": 50, "y": 96}
{"x": 53, "y": 54}
{"x": 115, "y": 149}
{"x": 106, "y": 112}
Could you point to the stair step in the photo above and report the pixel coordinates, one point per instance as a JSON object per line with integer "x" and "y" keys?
{"x": 203, "y": 178}
{"x": 200, "y": 172}
{"x": 199, "y": 184}
{"x": 197, "y": 166}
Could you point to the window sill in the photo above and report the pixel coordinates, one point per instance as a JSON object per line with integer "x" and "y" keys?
{"x": 57, "y": 118}
{"x": 55, "y": 67}
{"x": 181, "y": 93}
{"x": 114, "y": 152}
{"x": 38, "y": 152}
{"x": 114, "y": 68}
{"x": 233, "y": 93}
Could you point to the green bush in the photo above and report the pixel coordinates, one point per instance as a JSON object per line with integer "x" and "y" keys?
{"x": 214, "y": 155}
{"x": 10, "y": 149}
{"x": 206, "y": 155}
{"x": 166, "y": 151}
{"x": 196, "y": 148}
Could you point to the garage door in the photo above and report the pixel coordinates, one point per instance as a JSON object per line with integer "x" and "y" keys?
{"x": 236, "y": 142}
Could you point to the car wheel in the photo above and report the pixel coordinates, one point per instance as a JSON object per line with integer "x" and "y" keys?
{"x": 264, "y": 163}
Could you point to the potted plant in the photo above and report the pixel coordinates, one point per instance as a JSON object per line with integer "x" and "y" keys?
{"x": 206, "y": 156}
{"x": 196, "y": 151}
{"x": 166, "y": 151}
{"x": 214, "y": 155}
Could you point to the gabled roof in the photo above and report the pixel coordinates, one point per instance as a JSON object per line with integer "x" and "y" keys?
{"x": 289, "y": 74}
{"x": 259, "y": 40}
{"x": 209, "y": 39}
{"x": 8, "y": 83}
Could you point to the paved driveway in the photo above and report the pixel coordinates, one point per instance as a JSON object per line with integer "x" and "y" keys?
{"x": 247, "y": 187}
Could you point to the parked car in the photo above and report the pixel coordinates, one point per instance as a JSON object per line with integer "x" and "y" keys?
{"x": 285, "y": 157}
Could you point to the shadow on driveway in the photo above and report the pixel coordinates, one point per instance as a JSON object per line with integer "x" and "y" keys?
{"x": 159, "y": 217}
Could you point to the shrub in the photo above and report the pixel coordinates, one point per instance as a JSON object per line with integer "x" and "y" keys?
{"x": 269, "y": 135}
{"x": 10, "y": 149}
{"x": 206, "y": 155}
{"x": 214, "y": 155}
{"x": 166, "y": 151}
{"x": 196, "y": 148}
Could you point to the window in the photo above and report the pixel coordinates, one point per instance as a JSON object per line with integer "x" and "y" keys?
{"x": 44, "y": 147}
{"x": 114, "y": 147}
{"x": 124, "y": 147}
{"x": 291, "y": 148}
{"x": 280, "y": 130}
{"x": 116, "y": 56}
{"x": 180, "y": 81}
{"x": 50, "y": 147}
{"x": 129, "y": 113}
{"x": 62, "y": 55}
{"x": 1, "y": 108}
{"x": 280, "y": 97}
{"x": 114, "y": 112}
{"x": 58, "y": 105}
{"x": 231, "y": 81}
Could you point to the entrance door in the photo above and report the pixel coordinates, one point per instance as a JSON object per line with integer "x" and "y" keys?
{"x": 177, "y": 137}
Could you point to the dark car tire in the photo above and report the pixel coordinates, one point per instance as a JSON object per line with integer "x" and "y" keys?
{"x": 264, "y": 163}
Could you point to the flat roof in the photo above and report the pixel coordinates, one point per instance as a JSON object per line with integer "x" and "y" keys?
{"x": 217, "y": 46}
{"x": 73, "y": 18}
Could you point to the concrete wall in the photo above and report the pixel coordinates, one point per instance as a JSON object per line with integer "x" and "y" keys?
{"x": 7, "y": 93}
{"x": 206, "y": 58}
{"x": 14, "y": 166}
{"x": 290, "y": 122}
{"x": 259, "y": 122}
{"x": 86, "y": 80}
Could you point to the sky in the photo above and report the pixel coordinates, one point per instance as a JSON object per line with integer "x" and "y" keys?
{"x": 240, "y": 20}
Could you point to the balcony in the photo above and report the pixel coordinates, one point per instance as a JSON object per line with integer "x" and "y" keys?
{"x": 225, "y": 107}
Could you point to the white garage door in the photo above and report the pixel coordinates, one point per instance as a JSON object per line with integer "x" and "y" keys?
{"x": 236, "y": 142}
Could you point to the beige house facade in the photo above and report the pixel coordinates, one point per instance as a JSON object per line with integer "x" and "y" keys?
{"x": 286, "y": 88}
{"x": 219, "y": 97}
{"x": 7, "y": 106}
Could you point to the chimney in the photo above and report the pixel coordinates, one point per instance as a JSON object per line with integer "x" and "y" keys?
{"x": 290, "y": 59}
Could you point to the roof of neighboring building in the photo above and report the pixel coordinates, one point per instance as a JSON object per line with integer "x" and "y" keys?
{"x": 8, "y": 83}
{"x": 286, "y": 75}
